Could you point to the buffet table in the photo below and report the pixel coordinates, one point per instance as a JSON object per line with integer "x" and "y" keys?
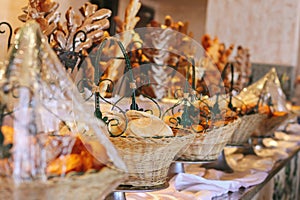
{"x": 277, "y": 185}
{"x": 53, "y": 144}
{"x": 273, "y": 173}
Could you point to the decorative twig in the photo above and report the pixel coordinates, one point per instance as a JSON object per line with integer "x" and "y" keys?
{"x": 70, "y": 58}
{"x": 81, "y": 39}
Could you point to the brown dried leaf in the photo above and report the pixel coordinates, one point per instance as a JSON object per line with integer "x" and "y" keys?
{"x": 23, "y": 17}
{"x": 119, "y": 24}
{"x": 88, "y": 9}
{"x": 43, "y": 23}
{"x": 63, "y": 27}
{"x": 84, "y": 45}
{"x": 50, "y": 29}
{"x": 44, "y": 12}
{"x": 73, "y": 20}
{"x": 101, "y": 14}
{"x": 96, "y": 35}
{"x": 60, "y": 39}
{"x": 130, "y": 15}
{"x": 53, "y": 17}
{"x": 101, "y": 24}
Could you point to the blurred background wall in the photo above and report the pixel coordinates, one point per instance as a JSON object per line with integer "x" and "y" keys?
{"x": 193, "y": 11}
{"x": 269, "y": 28}
{"x": 10, "y": 10}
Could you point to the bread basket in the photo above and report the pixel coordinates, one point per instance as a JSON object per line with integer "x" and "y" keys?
{"x": 268, "y": 125}
{"x": 51, "y": 147}
{"x": 208, "y": 145}
{"x": 148, "y": 159}
{"x": 91, "y": 185}
{"x": 249, "y": 123}
{"x": 268, "y": 97}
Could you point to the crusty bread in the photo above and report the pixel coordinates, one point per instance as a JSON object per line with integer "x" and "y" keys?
{"x": 143, "y": 124}
{"x": 148, "y": 127}
{"x": 8, "y": 133}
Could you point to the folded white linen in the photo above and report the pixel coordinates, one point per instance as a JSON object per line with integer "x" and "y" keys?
{"x": 232, "y": 182}
{"x": 171, "y": 194}
{"x": 186, "y": 186}
{"x": 204, "y": 184}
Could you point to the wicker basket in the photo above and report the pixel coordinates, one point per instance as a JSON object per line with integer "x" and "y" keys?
{"x": 89, "y": 186}
{"x": 248, "y": 125}
{"x": 148, "y": 159}
{"x": 269, "y": 125}
{"x": 208, "y": 146}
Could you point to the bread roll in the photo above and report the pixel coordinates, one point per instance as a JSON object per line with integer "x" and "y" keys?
{"x": 198, "y": 128}
{"x": 8, "y": 133}
{"x": 142, "y": 124}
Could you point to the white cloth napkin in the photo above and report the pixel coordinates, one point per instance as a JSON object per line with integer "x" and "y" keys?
{"x": 187, "y": 186}
{"x": 224, "y": 183}
{"x": 204, "y": 184}
{"x": 171, "y": 194}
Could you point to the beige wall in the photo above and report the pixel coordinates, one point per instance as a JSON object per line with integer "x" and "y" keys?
{"x": 193, "y": 11}
{"x": 9, "y": 12}
{"x": 11, "y": 9}
{"x": 270, "y": 28}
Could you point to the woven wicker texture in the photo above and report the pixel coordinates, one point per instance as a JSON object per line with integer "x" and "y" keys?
{"x": 269, "y": 125}
{"x": 208, "y": 146}
{"x": 90, "y": 186}
{"x": 148, "y": 159}
{"x": 248, "y": 125}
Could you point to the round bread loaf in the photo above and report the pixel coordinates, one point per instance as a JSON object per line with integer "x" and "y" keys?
{"x": 148, "y": 127}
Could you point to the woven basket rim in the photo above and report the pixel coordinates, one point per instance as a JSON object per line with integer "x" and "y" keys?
{"x": 183, "y": 133}
{"x": 69, "y": 176}
{"x": 248, "y": 125}
{"x": 209, "y": 131}
{"x": 103, "y": 183}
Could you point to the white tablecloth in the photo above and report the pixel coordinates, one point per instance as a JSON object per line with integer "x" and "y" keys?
{"x": 203, "y": 184}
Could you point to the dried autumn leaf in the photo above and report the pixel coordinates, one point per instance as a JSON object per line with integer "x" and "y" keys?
{"x": 129, "y": 23}
{"x": 92, "y": 22}
{"x": 43, "y": 5}
{"x": 242, "y": 66}
{"x": 44, "y": 12}
{"x": 166, "y": 38}
{"x": 216, "y": 51}
{"x": 130, "y": 15}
